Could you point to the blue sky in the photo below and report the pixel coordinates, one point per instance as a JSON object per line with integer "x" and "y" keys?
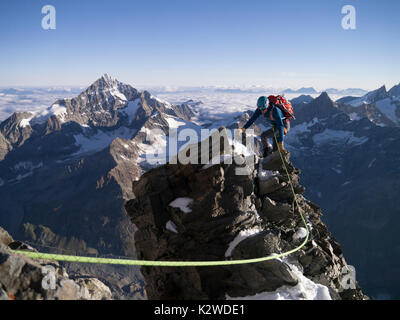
{"x": 185, "y": 42}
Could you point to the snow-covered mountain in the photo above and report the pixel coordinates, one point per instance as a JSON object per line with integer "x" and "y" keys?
{"x": 380, "y": 106}
{"x": 350, "y": 167}
{"x": 254, "y": 89}
{"x": 65, "y": 171}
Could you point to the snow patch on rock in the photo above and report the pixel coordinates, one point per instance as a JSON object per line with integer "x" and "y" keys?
{"x": 174, "y": 123}
{"x": 131, "y": 109}
{"x": 244, "y": 234}
{"x": 388, "y": 108}
{"x": 100, "y": 140}
{"x": 304, "y": 290}
{"x": 171, "y": 227}
{"x": 300, "y": 234}
{"x": 338, "y": 137}
{"x": 182, "y": 204}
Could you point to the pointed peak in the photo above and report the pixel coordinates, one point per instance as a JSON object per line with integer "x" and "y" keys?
{"x": 383, "y": 88}
{"x": 376, "y": 95}
{"x": 104, "y": 82}
{"x": 323, "y": 97}
{"x": 105, "y": 77}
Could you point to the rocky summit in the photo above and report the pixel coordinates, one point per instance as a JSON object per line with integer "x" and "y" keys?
{"x": 22, "y": 278}
{"x": 198, "y": 212}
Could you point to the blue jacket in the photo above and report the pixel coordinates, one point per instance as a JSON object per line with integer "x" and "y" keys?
{"x": 277, "y": 122}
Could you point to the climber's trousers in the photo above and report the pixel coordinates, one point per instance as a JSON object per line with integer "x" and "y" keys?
{"x": 269, "y": 134}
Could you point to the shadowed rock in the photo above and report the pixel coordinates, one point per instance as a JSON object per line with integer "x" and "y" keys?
{"x": 22, "y": 278}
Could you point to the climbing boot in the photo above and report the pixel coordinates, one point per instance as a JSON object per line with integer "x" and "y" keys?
{"x": 281, "y": 147}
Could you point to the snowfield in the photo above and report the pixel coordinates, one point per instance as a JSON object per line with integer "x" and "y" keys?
{"x": 54, "y": 110}
{"x": 388, "y": 108}
{"x": 90, "y": 142}
{"x": 25, "y": 122}
{"x": 174, "y": 123}
{"x": 338, "y": 137}
{"x": 131, "y": 109}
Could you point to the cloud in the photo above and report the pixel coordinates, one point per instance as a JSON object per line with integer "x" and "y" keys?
{"x": 32, "y": 99}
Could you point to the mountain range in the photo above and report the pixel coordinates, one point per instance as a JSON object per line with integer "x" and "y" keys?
{"x": 349, "y": 156}
{"x": 66, "y": 173}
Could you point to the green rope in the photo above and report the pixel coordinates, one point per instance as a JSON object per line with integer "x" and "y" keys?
{"x": 153, "y": 263}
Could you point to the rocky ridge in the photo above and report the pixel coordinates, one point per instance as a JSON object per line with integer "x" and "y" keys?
{"x": 201, "y": 213}
{"x": 22, "y": 278}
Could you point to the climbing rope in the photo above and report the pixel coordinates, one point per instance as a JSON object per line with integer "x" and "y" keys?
{"x": 154, "y": 263}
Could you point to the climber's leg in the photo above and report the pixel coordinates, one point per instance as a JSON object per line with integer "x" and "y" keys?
{"x": 266, "y": 144}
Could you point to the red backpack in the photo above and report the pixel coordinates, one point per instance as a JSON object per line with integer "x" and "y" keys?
{"x": 284, "y": 105}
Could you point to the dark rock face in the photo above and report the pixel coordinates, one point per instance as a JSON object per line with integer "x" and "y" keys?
{"x": 301, "y": 100}
{"x": 350, "y": 167}
{"x": 227, "y": 218}
{"x": 320, "y": 107}
{"x": 378, "y": 94}
{"x": 21, "y": 278}
{"x": 12, "y": 134}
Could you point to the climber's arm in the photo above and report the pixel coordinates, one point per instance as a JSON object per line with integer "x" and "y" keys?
{"x": 256, "y": 114}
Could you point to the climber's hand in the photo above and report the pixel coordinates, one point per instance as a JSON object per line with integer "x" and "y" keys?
{"x": 242, "y": 130}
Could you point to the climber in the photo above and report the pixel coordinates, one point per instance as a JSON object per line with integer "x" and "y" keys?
{"x": 279, "y": 112}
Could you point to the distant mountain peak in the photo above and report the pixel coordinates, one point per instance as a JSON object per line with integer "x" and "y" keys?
{"x": 303, "y": 99}
{"x": 376, "y": 95}
{"x": 320, "y": 108}
{"x": 395, "y": 91}
{"x": 304, "y": 90}
{"x": 105, "y": 82}
{"x": 383, "y": 88}
{"x": 105, "y": 76}
{"x": 323, "y": 98}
